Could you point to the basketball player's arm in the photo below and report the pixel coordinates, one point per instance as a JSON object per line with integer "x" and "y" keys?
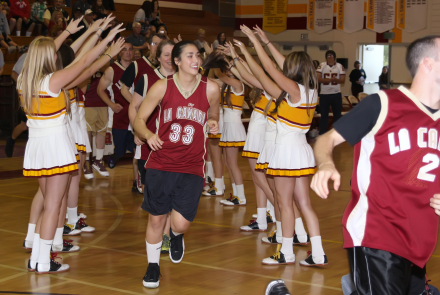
{"x": 125, "y": 91}
{"x": 435, "y": 203}
{"x": 213, "y": 94}
{"x": 271, "y": 87}
{"x": 323, "y": 150}
{"x": 132, "y": 111}
{"x": 154, "y": 96}
{"x": 104, "y": 83}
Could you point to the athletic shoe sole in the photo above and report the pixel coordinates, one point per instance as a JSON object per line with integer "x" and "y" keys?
{"x": 46, "y": 272}
{"x": 66, "y": 251}
{"x": 75, "y": 234}
{"x": 317, "y": 264}
{"x": 232, "y": 205}
{"x": 91, "y": 231}
{"x": 89, "y": 176}
{"x": 101, "y": 173}
{"x": 256, "y": 230}
{"x": 31, "y": 269}
{"x": 150, "y": 285}
{"x": 286, "y": 263}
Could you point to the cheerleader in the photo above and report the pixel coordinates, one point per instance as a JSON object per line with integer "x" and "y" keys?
{"x": 292, "y": 161}
{"x": 50, "y": 154}
{"x": 300, "y": 237}
{"x": 233, "y": 133}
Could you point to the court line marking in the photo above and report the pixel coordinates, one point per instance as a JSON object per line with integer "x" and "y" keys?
{"x": 68, "y": 280}
{"x": 48, "y": 286}
{"x": 12, "y": 277}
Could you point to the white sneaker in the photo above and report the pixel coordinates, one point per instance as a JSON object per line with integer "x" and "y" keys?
{"x": 27, "y": 244}
{"x": 65, "y": 247}
{"x": 279, "y": 258}
{"x": 213, "y": 191}
{"x": 99, "y": 166}
{"x": 235, "y": 201}
{"x": 254, "y": 216}
{"x": 314, "y": 260}
{"x": 51, "y": 267}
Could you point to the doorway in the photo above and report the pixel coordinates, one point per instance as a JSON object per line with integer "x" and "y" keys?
{"x": 373, "y": 57}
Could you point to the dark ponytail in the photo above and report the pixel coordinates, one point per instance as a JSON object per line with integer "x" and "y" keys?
{"x": 215, "y": 60}
{"x": 226, "y": 95}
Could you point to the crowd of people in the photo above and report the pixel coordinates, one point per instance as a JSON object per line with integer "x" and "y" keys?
{"x": 178, "y": 109}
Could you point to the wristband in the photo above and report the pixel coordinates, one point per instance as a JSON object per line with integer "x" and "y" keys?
{"x": 267, "y": 43}
{"x": 109, "y": 55}
{"x": 236, "y": 59}
{"x": 68, "y": 31}
{"x": 101, "y": 29}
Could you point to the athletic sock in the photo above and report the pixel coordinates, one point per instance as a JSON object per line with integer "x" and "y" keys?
{"x": 153, "y": 252}
{"x": 72, "y": 215}
{"x": 35, "y": 250}
{"x": 234, "y": 189}
{"x": 30, "y": 232}
{"x": 99, "y": 154}
{"x": 58, "y": 238}
{"x": 261, "y": 217}
{"x": 317, "y": 249}
{"x": 18, "y": 33}
{"x": 219, "y": 184}
{"x": 240, "y": 192}
{"x": 279, "y": 233}
{"x": 300, "y": 230}
{"x": 287, "y": 246}
{"x": 88, "y": 157}
{"x": 175, "y": 234}
{"x": 44, "y": 256}
{"x": 209, "y": 170}
{"x": 28, "y": 34}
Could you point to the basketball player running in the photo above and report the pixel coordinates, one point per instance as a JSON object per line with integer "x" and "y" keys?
{"x": 189, "y": 103}
{"x": 395, "y": 177}
{"x": 122, "y": 137}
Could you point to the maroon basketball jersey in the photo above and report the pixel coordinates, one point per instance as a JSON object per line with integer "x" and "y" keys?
{"x": 92, "y": 98}
{"x": 182, "y": 124}
{"x": 143, "y": 66}
{"x": 395, "y": 173}
{"x": 149, "y": 80}
{"x": 120, "y": 120}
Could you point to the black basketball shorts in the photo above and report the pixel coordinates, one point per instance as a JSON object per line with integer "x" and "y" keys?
{"x": 165, "y": 191}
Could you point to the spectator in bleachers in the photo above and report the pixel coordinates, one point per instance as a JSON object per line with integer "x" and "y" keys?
{"x": 137, "y": 54}
{"x": 5, "y": 7}
{"x": 21, "y": 12}
{"x": 221, "y": 40}
{"x": 88, "y": 18}
{"x": 162, "y": 30}
{"x": 76, "y": 14}
{"x": 37, "y": 12}
{"x": 83, "y": 5}
{"x": 357, "y": 79}
{"x": 138, "y": 41}
{"x": 155, "y": 15}
{"x": 200, "y": 42}
{"x": 56, "y": 21}
{"x": 54, "y": 32}
{"x": 58, "y": 6}
{"x": 5, "y": 39}
{"x": 99, "y": 10}
{"x": 143, "y": 16}
{"x": 383, "y": 79}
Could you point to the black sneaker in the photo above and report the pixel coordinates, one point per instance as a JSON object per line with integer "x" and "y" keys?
{"x": 9, "y": 148}
{"x": 253, "y": 226}
{"x": 152, "y": 276}
{"x": 278, "y": 258}
{"x": 54, "y": 267}
{"x": 134, "y": 188}
{"x": 317, "y": 261}
{"x": 69, "y": 230}
{"x": 271, "y": 239}
{"x": 269, "y": 218}
{"x": 277, "y": 287}
{"x": 297, "y": 242}
{"x": 177, "y": 247}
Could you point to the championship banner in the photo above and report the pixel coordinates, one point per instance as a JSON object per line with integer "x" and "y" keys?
{"x": 320, "y": 15}
{"x": 275, "y": 16}
{"x": 412, "y": 15}
{"x": 381, "y": 15}
{"x": 350, "y": 16}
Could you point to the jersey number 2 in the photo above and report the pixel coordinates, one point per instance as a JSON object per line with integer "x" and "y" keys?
{"x": 433, "y": 163}
{"x": 188, "y": 133}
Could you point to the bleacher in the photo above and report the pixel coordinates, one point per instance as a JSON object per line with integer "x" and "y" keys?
{"x": 179, "y": 21}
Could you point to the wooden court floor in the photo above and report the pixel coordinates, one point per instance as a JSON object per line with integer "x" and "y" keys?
{"x": 219, "y": 259}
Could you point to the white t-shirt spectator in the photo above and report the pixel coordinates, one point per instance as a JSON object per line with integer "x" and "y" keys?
{"x": 19, "y": 64}
{"x": 329, "y": 72}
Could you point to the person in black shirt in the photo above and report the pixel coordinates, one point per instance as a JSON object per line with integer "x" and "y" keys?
{"x": 357, "y": 79}
{"x": 383, "y": 78}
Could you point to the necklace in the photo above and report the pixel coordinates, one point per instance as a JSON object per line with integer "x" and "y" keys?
{"x": 188, "y": 93}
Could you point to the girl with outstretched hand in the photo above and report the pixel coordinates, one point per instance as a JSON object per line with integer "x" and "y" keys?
{"x": 292, "y": 161}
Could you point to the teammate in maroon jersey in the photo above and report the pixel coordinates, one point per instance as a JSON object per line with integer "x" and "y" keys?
{"x": 189, "y": 103}
{"x": 122, "y": 137}
{"x": 389, "y": 223}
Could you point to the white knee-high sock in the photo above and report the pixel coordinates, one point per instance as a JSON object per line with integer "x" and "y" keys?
{"x": 300, "y": 230}
{"x": 99, "y": 154}
{"x": 209, "y": 170}
{"x": 28, "y": 34}
{"x": 240, "y": 192}
{"x": 279, "y": 232}
{"x": 261, "y": 218}
{"x": 153, "y": 252}
{"x": 44, "y": 256}
{"x": 18, "y": 33}
{"x": 219, "y": 184}
{"x": 287, "y": 246}
{"x": 72, "y": 215}
{"x": 317, "y": 249}
{"x": 58, "y": 238}
{"x": 30, "y": 232}
{"x": 35, "y": 250}
{"x": 234, "y": 189}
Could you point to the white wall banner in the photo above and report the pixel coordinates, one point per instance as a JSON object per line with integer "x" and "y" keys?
{"x": 320, "y": 15}
{"x": 412, "y": 15}
{"x": 381, "y": 15}
{"x": 350, "y": 15}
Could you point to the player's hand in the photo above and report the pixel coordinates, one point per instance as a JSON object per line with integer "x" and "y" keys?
{"x": 106, "y": 24}
{"x": 116, "y": 108}
{"x": 111, "y": 35}
{"x": 320, "y": 180}
{"x": 435, "y": 203}
{"x": 213, "y": 126}
{"x": 261, "y": 34}
{"x": 73, "y": 26}
{"x": 137, "y": 140}
{"x": 95, "y": 26}
{"x": 154, "y": 142}
{"x": 208, "y": 49}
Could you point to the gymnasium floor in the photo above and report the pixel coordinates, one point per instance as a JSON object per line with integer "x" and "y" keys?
{"x": 219, "y": 259}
